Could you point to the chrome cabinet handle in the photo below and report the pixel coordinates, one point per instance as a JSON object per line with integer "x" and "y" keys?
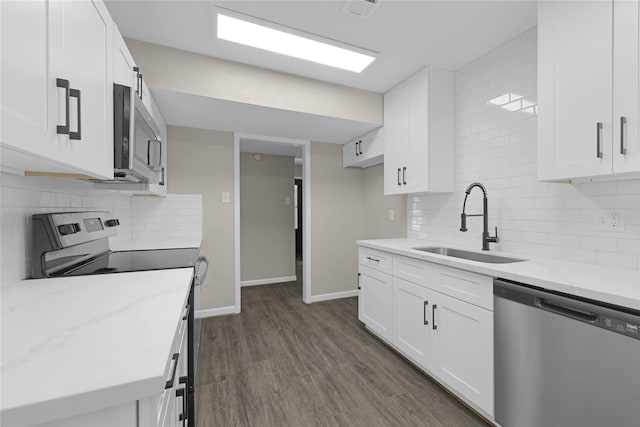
{"x": 433, "y": 317}
{"x": 623, "y": 126}
{"x": 424, "y": 312}
{"x": 598, "y": 141}
{"x": 75, "y": 93}
{"x": 399, "y": 183}
{"x": 373, "y": 259}
{"x": 404, "y": 179}
{"x": 356, "y": 148}
{"x": 64, "y": 84}
{"x": 359, "y": 274}
{"x": 360, "y": 147}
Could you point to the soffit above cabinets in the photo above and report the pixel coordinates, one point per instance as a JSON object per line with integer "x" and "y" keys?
{"x": 407, "y": 34}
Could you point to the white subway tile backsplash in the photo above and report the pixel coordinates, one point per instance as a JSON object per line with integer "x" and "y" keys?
{"x": 499, "y": 149}
{"x": 173, "y": 216}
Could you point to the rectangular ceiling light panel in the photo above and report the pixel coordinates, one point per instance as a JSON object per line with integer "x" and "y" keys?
{"x": 263, "y": 37}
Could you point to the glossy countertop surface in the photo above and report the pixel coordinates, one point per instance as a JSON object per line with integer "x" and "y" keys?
{"x": 610, "y": 285}
{"x": 77, "y": 344}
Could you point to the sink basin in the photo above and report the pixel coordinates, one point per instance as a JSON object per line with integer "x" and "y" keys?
{"x": 472, "y": 256}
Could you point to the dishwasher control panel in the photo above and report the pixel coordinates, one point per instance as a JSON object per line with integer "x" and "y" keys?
{"x": 621, "y": 326}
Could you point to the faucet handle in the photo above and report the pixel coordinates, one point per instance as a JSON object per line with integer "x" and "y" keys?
{"x": 463, "y": 222}
{"x": 497, "y": 239}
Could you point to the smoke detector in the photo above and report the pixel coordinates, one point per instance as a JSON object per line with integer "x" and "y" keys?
{"x": 360, "y": 8}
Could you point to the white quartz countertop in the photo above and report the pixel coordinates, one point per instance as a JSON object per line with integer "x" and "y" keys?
{"x": 610, "y": 285}
{"x": 144, "y": 244}
{"x": 78, "y": 344}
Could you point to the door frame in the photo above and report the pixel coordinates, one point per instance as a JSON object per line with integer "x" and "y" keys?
{"x": 305, "y": 145}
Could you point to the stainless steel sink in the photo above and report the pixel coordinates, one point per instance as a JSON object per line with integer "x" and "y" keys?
{"x": 472, "y": 256}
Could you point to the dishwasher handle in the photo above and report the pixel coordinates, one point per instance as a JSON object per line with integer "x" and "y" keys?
{"x": 566, "y": 310}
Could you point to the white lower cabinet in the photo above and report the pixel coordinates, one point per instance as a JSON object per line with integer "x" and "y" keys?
{"x": 441, "y": 319}
{"x": 165, "y": 409}
{"x": 464, "y": 345}
{"x": 412, "y": 321}
{"x": 374, "y": 301}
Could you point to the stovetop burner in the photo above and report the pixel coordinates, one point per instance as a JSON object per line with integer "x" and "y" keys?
{"x": 142, "y": 260}
{"x": 77, "y": 244}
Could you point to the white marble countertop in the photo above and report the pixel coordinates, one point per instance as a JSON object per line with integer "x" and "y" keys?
{"x": 144, "y": 244}
{"x": 78, "y": 344}
{"x": 611, "y": 285}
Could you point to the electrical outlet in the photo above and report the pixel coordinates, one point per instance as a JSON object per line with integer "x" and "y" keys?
{"x": 610, "y": 220}
{"x": 392, "y": 215}
{"x": 226, "y": 197}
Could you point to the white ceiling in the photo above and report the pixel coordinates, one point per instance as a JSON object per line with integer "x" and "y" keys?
{"x": 407, "y": 34}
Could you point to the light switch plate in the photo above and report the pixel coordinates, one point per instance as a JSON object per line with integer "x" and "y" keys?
{"x": 392, "y": 215}
{"x": 226, "y": 197}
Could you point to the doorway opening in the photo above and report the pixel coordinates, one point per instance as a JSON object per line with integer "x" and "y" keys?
{"x": 247, "y": 149}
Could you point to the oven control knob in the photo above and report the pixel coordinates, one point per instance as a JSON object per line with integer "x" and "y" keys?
{"x": 66, "y": 229}
{"x": 112, "y": 222}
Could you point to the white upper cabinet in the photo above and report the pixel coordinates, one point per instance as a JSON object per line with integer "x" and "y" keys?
{"x": 587, "y": 89}
{"x": 57, "y": 87}
{"x": 419, "y": 125}
{"x": 123, "y": 63}
{"x": 368, "y": 150}
{"x": 626, "y": 87}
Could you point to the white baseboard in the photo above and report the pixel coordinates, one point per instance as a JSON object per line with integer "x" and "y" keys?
{"x": 334, "y": 295}
{"x": 268, "y": 281}
{"x": 220, "y": 311}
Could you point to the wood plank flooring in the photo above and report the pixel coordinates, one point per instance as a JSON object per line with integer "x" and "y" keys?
{"x": 284, "y": 363}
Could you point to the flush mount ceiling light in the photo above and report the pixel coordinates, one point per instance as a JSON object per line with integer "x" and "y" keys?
{"x": 286, "y": 41}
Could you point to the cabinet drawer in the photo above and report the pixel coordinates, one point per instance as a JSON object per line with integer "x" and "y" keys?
{"x": 463, "y": 285}
{"x": 378, "y": 260}
{"x": 412, "y": 270}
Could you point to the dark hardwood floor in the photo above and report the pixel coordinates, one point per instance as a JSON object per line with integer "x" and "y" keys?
{"x": 284, "y": 363}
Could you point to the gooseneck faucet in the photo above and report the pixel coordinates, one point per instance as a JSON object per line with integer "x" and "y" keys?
{"x": 486, "y": 238}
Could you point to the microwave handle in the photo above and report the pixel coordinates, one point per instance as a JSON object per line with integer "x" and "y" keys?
{"x": 159, "y": 152}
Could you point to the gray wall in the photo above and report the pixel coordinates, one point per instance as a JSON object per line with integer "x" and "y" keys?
{"x": 347, "y": 204}
{"x": 201, "y": 162}
{"x": 376, "y": 207}
{"x": 267, "y": 239}
{"x": 186, "y": 72}
{"x": 337, "y": 204}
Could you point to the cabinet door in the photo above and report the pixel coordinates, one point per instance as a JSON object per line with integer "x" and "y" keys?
{"x": 464, "y": 339}
{"x": 375, "y": 301}
{"x": 575, "y": 89}
{"x": 416, "y": 170}
{"x": 626, "y": 137}
{"x": 350, "y": 153}
{"x": 412, "y": 321}
{"x": 395, "y": 139}
{"x": 30, "y": 98}
{"x": 82, "y": 51}
{"x": 123, "y": 63}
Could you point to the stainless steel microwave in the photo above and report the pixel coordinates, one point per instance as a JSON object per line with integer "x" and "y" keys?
{"x": 137, "y": 146}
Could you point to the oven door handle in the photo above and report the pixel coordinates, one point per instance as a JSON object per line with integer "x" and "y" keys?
{"x": 199, "y": 278}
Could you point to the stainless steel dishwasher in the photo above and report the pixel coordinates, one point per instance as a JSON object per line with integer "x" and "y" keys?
{"x": 563, "y": 361}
